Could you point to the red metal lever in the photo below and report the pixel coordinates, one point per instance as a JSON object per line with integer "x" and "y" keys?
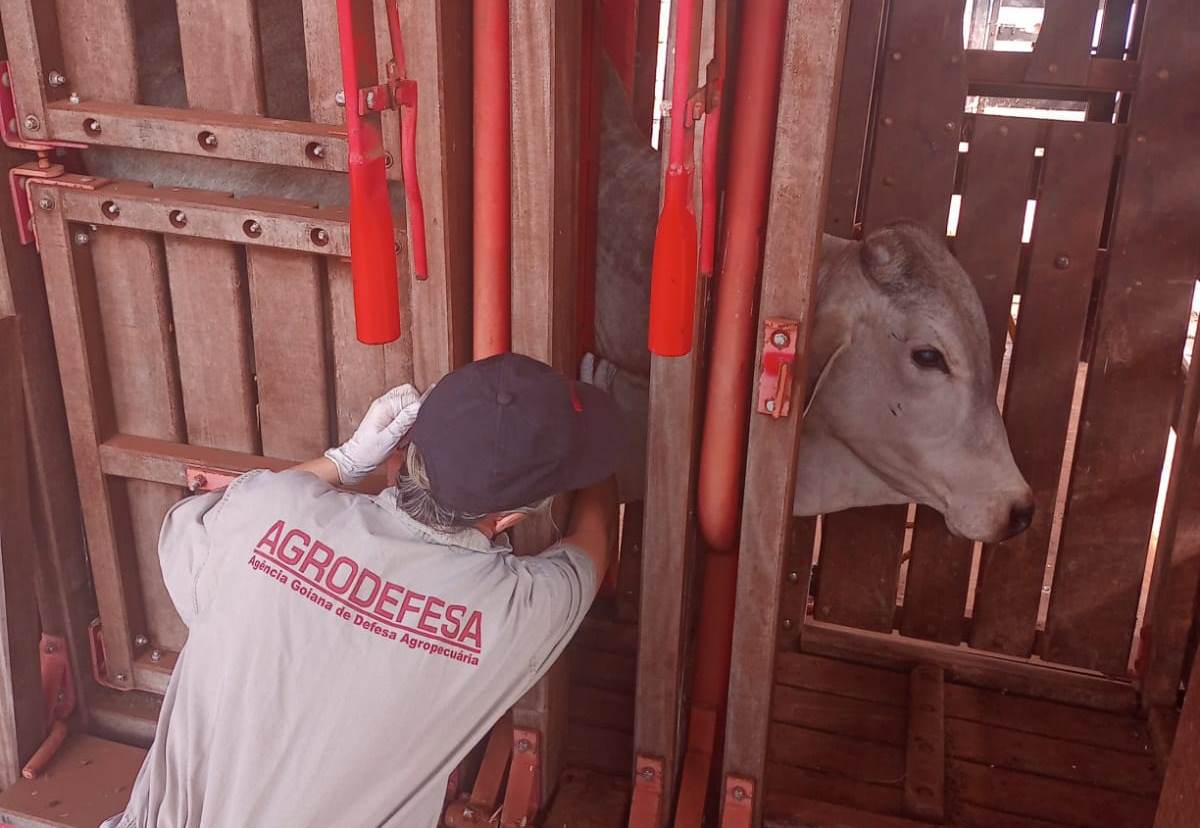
{"x": 372, "y": 236}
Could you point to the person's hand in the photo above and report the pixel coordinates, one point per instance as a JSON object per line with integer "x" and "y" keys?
{"x": 381, "y": 430}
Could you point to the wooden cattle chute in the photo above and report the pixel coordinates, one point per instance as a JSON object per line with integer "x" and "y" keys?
{"x": 844, "y": 704}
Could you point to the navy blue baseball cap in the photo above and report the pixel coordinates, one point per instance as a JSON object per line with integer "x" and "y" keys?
{"x": 509, "y": 430}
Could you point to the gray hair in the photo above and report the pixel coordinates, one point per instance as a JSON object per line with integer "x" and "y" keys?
{"x": 415, "y": 498}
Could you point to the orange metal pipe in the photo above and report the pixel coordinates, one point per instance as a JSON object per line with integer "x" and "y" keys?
{"x": 752, "y": 140}
{"x": 492, "y": 180}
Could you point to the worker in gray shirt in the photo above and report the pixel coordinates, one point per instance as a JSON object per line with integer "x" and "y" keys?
{"x": 346, "y": 651}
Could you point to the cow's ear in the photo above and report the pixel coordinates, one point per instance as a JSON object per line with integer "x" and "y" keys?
{"x": 885, "y": 258}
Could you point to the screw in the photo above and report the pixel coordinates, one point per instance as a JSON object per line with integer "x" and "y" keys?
{"x": 370, "y": 99}
{"x": 252, "y": 228}
{"x": 56, "y": 78}
{"x": 739, "y": 793}
{"x": 388, "y": 160}
{"x": 320, "y": 237}
{"x": 156, "y": 655}
{"x": 208, "y": 140}
{"x": 32, "y": 123}
{"x": 339, "y": 97}
{"x": 787, "y": 623}
{"x": 81, "y": 238}
{"x": 74, "y": 98}
{"x": 780, "y": 339}
{"x": 771, "y": 406}
{"x": 121, "y": 677}
{"x": 793, "y": 577}
{"x": 141, "y": 640}
{"x": 1062, "y": 262}
{"x": 45, "y": 202}
{"x": 110, "y": 209}
{"x": 523, "y": 746}
{"x": 315, "y": 150}
{"x": 178, "y": 218}
{"x": 91, "y": 126}
{"x": 197, "y": 483}
{"x": 646, "y": 773}
{"x": 51, "y": 649}
{"x": 896, "y": 55}
{"x": 951, "y": 126}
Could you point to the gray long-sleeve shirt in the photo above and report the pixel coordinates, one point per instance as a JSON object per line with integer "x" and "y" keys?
{"x": 341, "y": 658}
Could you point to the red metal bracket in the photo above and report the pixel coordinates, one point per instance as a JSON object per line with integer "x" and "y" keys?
{"x": 58, "y": 690}
{"x": 779, "y": 356}
{"x": 204, "y": 479}
{"x": 99, "y": 662}
{"x": 9, "y": 131}
{"x": 19, "y": 179}
{"x": 480, "y": 807}
{"x": 523, "y": 794}
{"x": 646, "y": 809}
{"x": 737, "y": 803}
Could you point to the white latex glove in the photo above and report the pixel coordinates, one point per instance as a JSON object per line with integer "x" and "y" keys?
{"x": 381, "y": 430}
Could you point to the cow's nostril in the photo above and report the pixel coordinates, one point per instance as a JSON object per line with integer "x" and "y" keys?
{"x": 1019, "y": 519}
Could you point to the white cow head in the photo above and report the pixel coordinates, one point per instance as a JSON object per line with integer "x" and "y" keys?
{"x": 902, "y": 403}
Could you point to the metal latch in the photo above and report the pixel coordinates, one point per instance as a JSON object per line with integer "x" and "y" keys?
{"x": 778, "y": 367}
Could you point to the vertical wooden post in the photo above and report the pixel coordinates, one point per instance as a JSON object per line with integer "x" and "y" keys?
{"x": 21, "y": 713}
{"x": 668, "y": 541}
{"x": 803, "y": 148}
{"x": 545, "y": 38}
{"x": 1179, "y": 801}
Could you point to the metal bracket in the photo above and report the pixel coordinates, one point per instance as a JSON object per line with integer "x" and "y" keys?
{"x": 42, "y": 171}
{"x": 645, "y": 811}
{"x": 58, "y": 690}
{"x": 204, "y": 479}
{"x": 778, "y": 359}
{"x": 737, "y": 803}
{"x": 9, "y": 129}
{"x": 99, "y": 662}
{"x": 523, "y": 794}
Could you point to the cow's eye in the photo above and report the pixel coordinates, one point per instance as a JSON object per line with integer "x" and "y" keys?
{"x": 930, "y": 358}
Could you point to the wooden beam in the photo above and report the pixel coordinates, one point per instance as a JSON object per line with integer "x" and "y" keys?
{"x": 812, "y": 59}
{"x": 1179, "y": 802}
{"x": 925, "y": 758}
{"x": 21, "y": 711}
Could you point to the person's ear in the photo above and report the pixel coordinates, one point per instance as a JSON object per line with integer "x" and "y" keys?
{"x": 507, "y": 521}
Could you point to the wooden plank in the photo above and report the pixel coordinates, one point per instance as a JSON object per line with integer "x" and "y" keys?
{"x": 973, "y": 816}
{"x": 1063, "y": 50}
{"x": 885, "y": 687}
{"x": 788, "y": 780}
{"x": 590, "y": 800}
{"x": 793, "y": 602}
{"x": 990, "y": 72}
{"x": 22, "y": 717}
{"x": 221, "y": 61}
{"x": 629, "y": 566}
{"x": 790, "y": 811}
{"x": 852, "y": 136}
{"x": 323, "y": 61}
{"x": 1144, "y": 311}
{"x": 61, "y": 580}
{"x": 86, "y": 783}
{"x": 1045, "y": 718}
{"x": 545, "y": 71}
{"x": 910, "y": 175}
{"x": 1052, "y": 800}
{"x": 437, "y": 40}
{"x": 841, "y": 715}
{"x": 34, "y": 48}
{"x": 98, "y": 50}
{"x": 74, "y": 313}
{"x": 999, "y": 180}
{"x": 135, "y": 313}
{"x": 670, "y": 557}
{"x": 1037, "y": 405}
{"x": 601, "y": 708}
{"x": 287, "y": 315}
{"x": 1179, "y": 803}
{"x": 872, "y": 762}
{"x": 813, "y": 43}
{"x": 598, "y": 749}
{"x": 209, "y": 303}
{"x": 1008, "y": 674}
{"x": 1053, "y": 758}
{"x": 925, "y": 758}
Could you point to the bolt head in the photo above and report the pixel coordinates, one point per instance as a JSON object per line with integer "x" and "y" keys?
{"x": 780, "y": 339}
{"x": 771, "y": 406}
{"x": 141, "y": 640}
{"x": 110, "y": 209}
{"x": 787, "y": 623}
{"x": 388, "y": 160}
{"x": 45, "y": 202}
{"x": 121, "y": 677}
{"x": 370, "y": 98}
{"x": 793, "y": 577}
{"x": 1062, "y": 262}
{"x": 646, "y": 773}
{"x": 339, "y": 97}
{"x": 739, "y": 793}
{"x": 74, "y": 98}
{"x": 81, "y": 238}
{"x": 523, "y": 746}
{"x": 321, "y": 237}
{"x": 318, "y": 151}
{"x": 32, "y": 122}
{"x": 210, "y": 140}
{"x": 156, "y": 655}
{"x": 51, "y": 649}
{"x": 56, "y": 79}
